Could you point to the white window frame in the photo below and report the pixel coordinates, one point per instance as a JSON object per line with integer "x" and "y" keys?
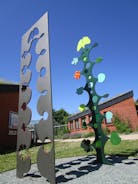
{"x": 13, "y": 120}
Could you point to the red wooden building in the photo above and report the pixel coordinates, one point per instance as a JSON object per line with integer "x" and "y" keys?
{"x": 9, "y": 95}
{"x": 123, "y": 106}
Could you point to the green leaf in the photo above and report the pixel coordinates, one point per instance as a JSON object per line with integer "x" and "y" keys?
{"x": 85, "y": 144}
{"x": 115, "y": 139}
{"x": 95, "y": 125}
{"x": 82, "y": 107}
{"x": 105, "y": 96}
{"x": 85, "y": 59}
{"x": 95, "y": 45}
{"x": 99, "y": 59}
{"x": 82, "y": 42}
{"x": 79, "y": 91}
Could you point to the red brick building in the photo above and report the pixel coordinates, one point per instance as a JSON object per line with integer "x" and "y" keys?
{"x": 9, "y": 95}
{"x": 123, "y": 106}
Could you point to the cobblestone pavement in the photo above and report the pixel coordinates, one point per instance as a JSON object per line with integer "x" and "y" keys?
{"x": 82, "y": 170}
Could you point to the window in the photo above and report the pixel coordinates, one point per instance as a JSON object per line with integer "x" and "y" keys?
{"x": 83, "y": 120}
{"x": 108, "y": 117}
{"x": 13, "y": 120}
{"x": 77, "y": 124}
{"x": 90, "y": 117}
{"x": 71, "y": 125}
{"x": 84, "y": 126}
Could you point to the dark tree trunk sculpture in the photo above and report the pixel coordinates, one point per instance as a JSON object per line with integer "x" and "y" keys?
{"x": 94, "y": 98}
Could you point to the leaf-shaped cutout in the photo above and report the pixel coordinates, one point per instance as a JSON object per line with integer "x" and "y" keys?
{"x": 43, "y": 72}
{"x": 33, "y": 33}
{"x": 43, "y": 51}
{"x": 115, "y": 139}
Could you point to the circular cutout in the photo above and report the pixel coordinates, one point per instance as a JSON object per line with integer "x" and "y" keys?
{"x": 101, "y": 77}
{"x": 88, "y": 65}
{"x": 89, "y": 77}
{"x": 91, "y": 91}
{"x": 95, "y": 99}
{"x": 45, "y": 115}
{"x": 86, "y": 71}
{"x": 90, "y": 85}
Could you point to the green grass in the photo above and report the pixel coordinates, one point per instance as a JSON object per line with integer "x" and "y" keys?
{"x": 72, "y": 149}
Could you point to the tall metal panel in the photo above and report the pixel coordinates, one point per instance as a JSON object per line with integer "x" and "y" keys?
{"x": 45, "y": 157}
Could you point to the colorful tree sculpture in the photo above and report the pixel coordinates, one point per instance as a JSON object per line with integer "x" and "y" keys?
{"x": 84, "y": 46}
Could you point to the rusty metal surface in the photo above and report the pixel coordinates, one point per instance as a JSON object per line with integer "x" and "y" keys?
{"x": 45, "y": 158}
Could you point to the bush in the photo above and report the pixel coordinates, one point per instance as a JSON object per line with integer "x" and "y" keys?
{"x": 105, "y": 130}
{"x": 59, "y": 132}
{"x": 121, "y": 126}
{"x": 90, "y": 134}
{"x": 66, "y": 136}
{"x": 75, "y": 136}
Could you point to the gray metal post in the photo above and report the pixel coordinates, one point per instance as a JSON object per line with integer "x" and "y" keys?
{"x": 45, "y": 158}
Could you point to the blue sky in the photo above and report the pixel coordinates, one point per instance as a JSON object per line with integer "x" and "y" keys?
{"x": 111, "y": 23}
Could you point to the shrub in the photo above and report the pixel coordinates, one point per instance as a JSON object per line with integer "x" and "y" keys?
{"x": 121, "y": 126}
{"x": 75, "y": 136}
{"x": 59, "y": 132}
{"x": 66, "y": 136}
{"x": 106, "y": 131}
{"x": 90, "y": 134}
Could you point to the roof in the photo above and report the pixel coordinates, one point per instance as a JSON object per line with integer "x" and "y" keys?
{"x": 112, "y": 101}
{"x": 5, "y": 87}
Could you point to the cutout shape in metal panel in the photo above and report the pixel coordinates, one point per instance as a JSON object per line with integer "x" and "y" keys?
{"x": 45, "y": 158}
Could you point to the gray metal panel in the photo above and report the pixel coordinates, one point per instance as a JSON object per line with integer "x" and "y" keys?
{"x": 45, "y": 160}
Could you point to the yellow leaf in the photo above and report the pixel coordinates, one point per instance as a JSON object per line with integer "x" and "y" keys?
{"x": 86, "y": 40}
{"x": 83, "y": 42}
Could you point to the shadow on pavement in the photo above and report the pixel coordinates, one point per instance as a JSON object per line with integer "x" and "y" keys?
{"x": 80, "y": 167}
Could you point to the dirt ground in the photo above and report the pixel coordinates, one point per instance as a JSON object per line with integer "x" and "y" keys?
{"x": 132, "y": 136}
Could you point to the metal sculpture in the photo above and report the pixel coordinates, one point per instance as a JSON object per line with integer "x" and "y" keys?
{"x": 97, "y": 118}
{"x": 45, "y": 158}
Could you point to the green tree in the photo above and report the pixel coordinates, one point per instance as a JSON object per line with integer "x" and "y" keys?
{"x": 97, "y": 118}
{"x": 60, "y": 117}
{"x": 136, "y": 104}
